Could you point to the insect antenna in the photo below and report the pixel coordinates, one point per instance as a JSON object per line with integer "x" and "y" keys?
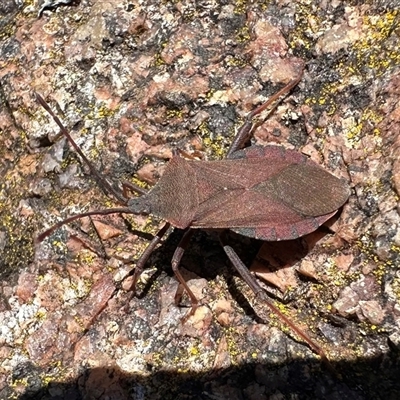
{"x": 101, "y": 181}
{"x": 104, "y": 184}
{"x": 49, "y": 231}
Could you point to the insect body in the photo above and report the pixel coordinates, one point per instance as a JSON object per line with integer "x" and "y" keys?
{"x": 268, "y": 193}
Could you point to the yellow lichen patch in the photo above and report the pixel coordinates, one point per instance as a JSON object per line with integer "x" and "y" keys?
{"x": 41, "y": 315}
{"x": 380, "y": 272}
{"x": 216, "y": 148}
{"x": 81, "y": 288}
{"x": 98, "y": 111}
{"x": 367, "y": 246}
{"x": 60, "y": 246}
{"x": 19, "y": 248}
{"x": 337, "y": 277}
{"x": 307, "y": 24}
{"x": 174, "y": 114}
{"x": 158, "y": 61}
{"x": 194, "y": 351}
{"x": 236, "y": 62}
{"x": 369, "y": 328}
{"x": 94, "y": 153}
{"x": 136, "y": 181}
{"x": 396, "y": 288}
{"x": 282, "y": 308}
{"x": 157, "y": 359}
{"x": 231, "y": 340}
{"x": 108, "y": 204}
{"x": 374, "y": 50}
{"x": 79, "y": 321}
{"x": 325, "y": 97}
{"x": 104, "y": 112}
{"x": 355, "y": 128}
{"x": 20, "y": 382}
{"x": 243, "y": 35}
{"x": 85, "y": 257}
{"x": 395, "y": 248}
{"x": 240, "y": 6}
{"x": 150, "y": 226}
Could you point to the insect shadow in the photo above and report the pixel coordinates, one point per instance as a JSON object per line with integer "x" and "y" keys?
{"x": 204, "y": 259}
{"x": 268, "y": 193}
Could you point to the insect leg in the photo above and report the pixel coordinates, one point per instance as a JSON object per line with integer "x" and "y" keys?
{"x": 176, "y": 260}
{"x": 259, "y": 292}
{"x": 246, "y": 130}
{"x": 141, "y": 262}
{"x": 126, "y": 186}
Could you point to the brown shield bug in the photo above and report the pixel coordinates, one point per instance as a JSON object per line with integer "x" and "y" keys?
{"x": 269, "y": 193}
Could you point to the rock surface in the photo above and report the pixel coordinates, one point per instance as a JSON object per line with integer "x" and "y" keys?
{"x": 134, "y": 81}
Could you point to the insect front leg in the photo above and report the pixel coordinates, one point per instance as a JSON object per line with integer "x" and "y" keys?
{"x": 141, "y": 262}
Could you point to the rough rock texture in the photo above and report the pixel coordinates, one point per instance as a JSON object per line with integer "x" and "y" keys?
{"x": 135, "y": 80}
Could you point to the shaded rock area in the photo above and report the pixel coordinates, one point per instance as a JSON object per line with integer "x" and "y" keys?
{"x": 135, "y": 80}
